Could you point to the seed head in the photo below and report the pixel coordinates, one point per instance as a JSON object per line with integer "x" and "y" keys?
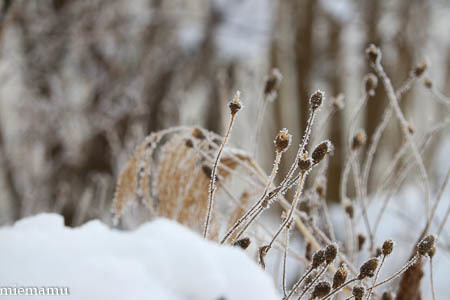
{"x": 348, "y": 207}
{"x": 370, "y": 84}
{"x": 340, "y": 276}
{"x": 420, "y": 69}
{"x": 368, "y": 268}
{"x": 361, "y": 241}
{"x": 321, "y": 289}
{"x": 387, "y": 296}
{"x": 273, "y": 82}
{"x": 358, "y": 291}
{"x": 330, "y": 253}
{"x": 426, "y": 244}
{"x": 316, "y": 99}
{"x": 378, "y": 252}
{"x": 188, "y": 143}
{"x": 283, "y": 140}
{"x": 373, "y": 53}
{"x": 243, "y": 243}
{"x": 388, "y": 246}
{"x": 359, "y": 139}
{"x": 320, "y": 151}
{"x": 198, "y": 134}
{"x": 236, "y": 104}
{"x": 304, "y": 164}
{"x": 318, "y": 258}
{"x": 428, "y": 83}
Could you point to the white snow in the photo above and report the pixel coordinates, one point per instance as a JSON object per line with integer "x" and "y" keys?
{"x": 160, "y": 260}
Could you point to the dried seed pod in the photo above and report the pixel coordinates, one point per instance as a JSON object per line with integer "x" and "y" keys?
{"x": 273, "y": 82}
{"x": 368, "y": 268}
{"x": 320, "y": 151}
{"x": 316, "y": 99}
{"x": 318, "y": 259}
{"x": 304, "y": 164}
{"x": 358, "y": 291}
{"x": 373, "y": 53}
{"x": 340, "y": 276}
{"x": 426, "y": 244}
{"x": 236, "y": 104}
{"x": 361, "y": 241}
{"x": 370, "y": 84}
{"x": 348, "y": 207}
{"x": 283, "y": 140}
{"x": 243, "y": 243}
{"x": 198, "y": 134}
{"x": 359, "y": 139}
{"x": 330, "y": 253}
{"x": 188, "y": 143}
{"x": 420, "y": 69}
{"x": 428, "y": 83}
{"x": 388, "y": 246}
{"x": 387, "y": 296}
{"x": 262, "y": 254}
{"x": 321, "y": 289}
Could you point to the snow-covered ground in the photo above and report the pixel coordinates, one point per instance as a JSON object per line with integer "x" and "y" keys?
{"x": 160, "y": 260}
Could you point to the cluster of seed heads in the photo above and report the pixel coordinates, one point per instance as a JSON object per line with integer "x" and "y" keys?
{"x": 367, "y": 270}
{"x": 426, "y": 245}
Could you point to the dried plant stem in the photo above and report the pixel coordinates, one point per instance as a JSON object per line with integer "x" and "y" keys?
{"x": 441, "y": 227}
{"x": 411, "y": 262}
{"x": 212, "y": 185}
{"x": 286, "y": 247}
{"x": 340, "y": 288}
{"x": 306, "y": 289}
{"x": 431, "y": 279}
{"x": 258, "y": 204}
{"x": 440, "y": 98}
{"x": 376, "y": 278}
{"x": 438, "y": 200}
{"x": 404, "y": 126}
{"x": 297, "y": 284}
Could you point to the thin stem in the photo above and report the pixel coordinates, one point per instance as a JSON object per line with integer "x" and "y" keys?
{"x": 340, "y": 288}
{"x": 431, "y": 279}
{"x": 376, "y": 278}
{"x": 312, "y": 282}
{"x": 286, "y": 246}
{"x": 411, "y": 262}
{"x": 297, "y": 284}
{"x": 212, "y": 184}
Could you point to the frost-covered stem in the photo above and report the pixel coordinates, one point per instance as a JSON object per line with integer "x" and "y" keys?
{"x": 431, "y": 279}
{"x": 362, "y": 203}
{"x": 387, "y": 114}
{"x": 212, "y": 184}
{"x": 369, "y": 294}
{"x": 404, "y": 126}
{"x": 344, "y": 176}
{"x": 340, "y": 288}
{"x": 263, "y": 198}
{"x": 441, "y": 98}
{"x": 288, "y": 219}
{"x": 441, "y": 227}
{"x": 411, "y": 262}
{"x": 286, "y": 247}
{"x": 297, "y": 284}
{"x": 259, "y": 122}
{"x": 254, "y": 216}
{"x": 306, "y": 289}
{"x": 438, "y": 199}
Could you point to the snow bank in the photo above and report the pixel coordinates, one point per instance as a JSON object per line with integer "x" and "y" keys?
{"x": 160, "y": 260}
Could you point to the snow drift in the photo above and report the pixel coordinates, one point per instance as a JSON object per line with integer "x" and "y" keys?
{"x": 159, "y": 260}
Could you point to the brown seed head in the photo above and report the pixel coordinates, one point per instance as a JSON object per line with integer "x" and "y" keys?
{"x": 368, "y": 268}
{"x": 236, "y": 104}
{"x": 321, "y": 289}
{"x": 340, "y": 276}
{"x": 318, "y": 258}
{"x": 189, "y": 143}
{"x": 361, "y": 241}
{"x": 330, "y": 253}
{"x": 388, "y": 246}
{"x": 273, "y": 82}
{"x": 243, "y": 243}
{"x": 378, "y": 252}
{"x": 316, "y": 99}
{"x": 359, "y": 139}
{"x": 198, "y": 134}
{"x": 358, "y": 291}
{"x": 320, "y": 151}
{"x": 420, "y": 69}
{"x": 373, "y": 53}
{"x": 304, "y": 164}
{"x": 387, "y": 296}
{"x": 426, "y": 244}
{"x": 370, "y": 84}
{"x": 428, "y": 83}
{"x": 348, "y": 207}
{"x": 283, "y": 140}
